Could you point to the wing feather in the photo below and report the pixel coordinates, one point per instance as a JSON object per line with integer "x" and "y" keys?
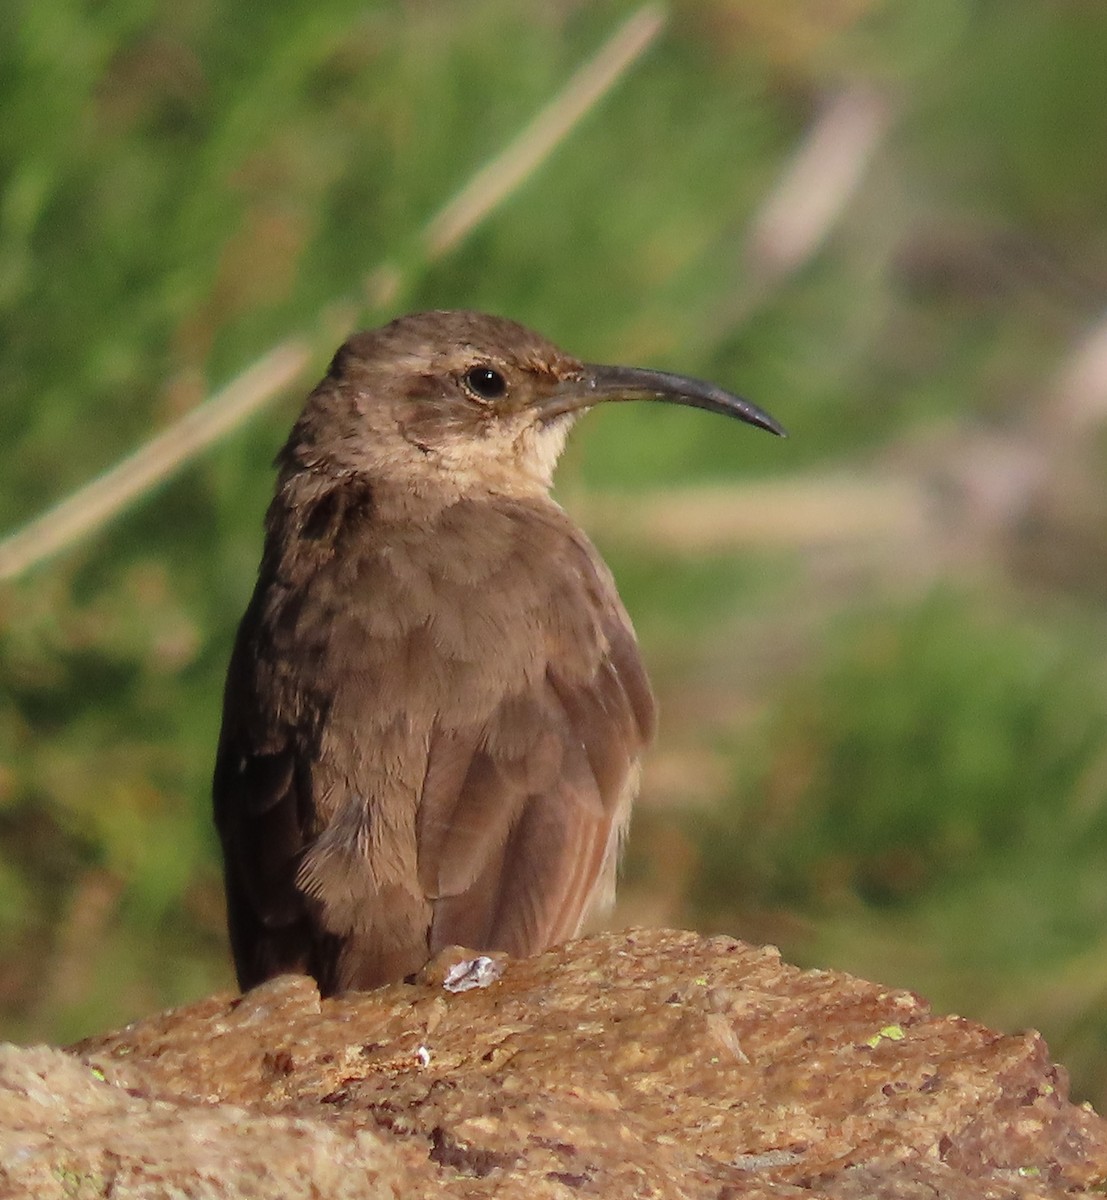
{"x": 515, "y": 849}
{"x": 259, "y": 815}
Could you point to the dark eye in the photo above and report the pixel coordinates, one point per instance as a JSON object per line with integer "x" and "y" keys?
{"x": 485, "y": 382}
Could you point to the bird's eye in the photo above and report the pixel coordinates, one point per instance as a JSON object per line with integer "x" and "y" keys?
{"x": 485, "y": 382}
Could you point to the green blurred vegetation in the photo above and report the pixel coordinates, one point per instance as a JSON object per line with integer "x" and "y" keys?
{"x": 887, "y": 755}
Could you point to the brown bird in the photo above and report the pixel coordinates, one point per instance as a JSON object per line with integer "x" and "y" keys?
{"x": 435, "y": 705}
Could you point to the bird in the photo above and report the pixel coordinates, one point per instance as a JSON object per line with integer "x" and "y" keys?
{"x": 435, "y": 707}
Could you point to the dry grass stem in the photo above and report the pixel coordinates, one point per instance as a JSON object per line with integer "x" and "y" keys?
{"x": 93, "y": 505}
{"x": 821, "y": 178}
{"x": 97, "y": 502}
{"x": 773, "y": 513}
{"x": 502, "y": 175}
{"x": 1079, "y": 398}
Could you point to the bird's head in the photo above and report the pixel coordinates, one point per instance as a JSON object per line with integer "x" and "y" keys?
{"x": 464, "y": 402}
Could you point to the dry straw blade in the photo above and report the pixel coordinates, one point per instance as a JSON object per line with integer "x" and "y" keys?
{"x": 94, "y": 505}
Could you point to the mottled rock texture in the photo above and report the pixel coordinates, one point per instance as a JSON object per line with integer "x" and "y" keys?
{"x": 644, "y": 1064}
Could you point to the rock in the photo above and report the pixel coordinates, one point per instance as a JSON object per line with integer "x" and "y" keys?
{"x": 645, "y": 1064}
{"x": 64, "y": 1132}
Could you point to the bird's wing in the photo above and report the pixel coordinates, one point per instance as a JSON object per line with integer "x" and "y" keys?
{"x": 521, "y": 812}
{"x": 260, "y": 815}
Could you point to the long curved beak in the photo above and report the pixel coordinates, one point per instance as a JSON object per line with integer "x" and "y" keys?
{"x": 598, "y": 384}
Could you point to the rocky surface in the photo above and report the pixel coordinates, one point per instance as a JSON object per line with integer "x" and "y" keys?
{"x": 644, "y": 1064}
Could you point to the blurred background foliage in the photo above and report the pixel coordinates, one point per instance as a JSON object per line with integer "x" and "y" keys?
{"x": 879, "y": 646}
